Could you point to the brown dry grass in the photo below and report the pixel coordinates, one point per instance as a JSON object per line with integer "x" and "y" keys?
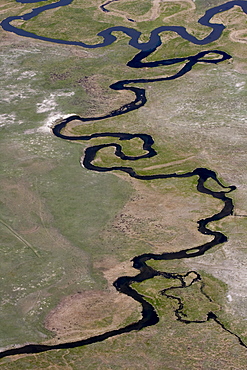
{"x": 152, "y": 216}
{"x": 90, "y": 313}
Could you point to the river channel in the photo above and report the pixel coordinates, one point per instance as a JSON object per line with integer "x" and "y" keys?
{"x": 124, "y": 284}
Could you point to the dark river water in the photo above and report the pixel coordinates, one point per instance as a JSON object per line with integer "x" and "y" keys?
{"x": 109, "y": 38}
{"x": 123, "y": 284}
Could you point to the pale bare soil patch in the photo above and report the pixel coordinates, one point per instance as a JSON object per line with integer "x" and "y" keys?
{"x": 112, "y": 269}
{"x": 239, "y": 36}
{"x": 154, "y": 12}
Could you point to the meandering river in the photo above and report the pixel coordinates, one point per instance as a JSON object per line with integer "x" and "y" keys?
{"x": 124, "y": 284}
{"x": 109, "y": 38}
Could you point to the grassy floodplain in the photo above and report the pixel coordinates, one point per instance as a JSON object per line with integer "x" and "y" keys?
{"x": 66, "y": 230}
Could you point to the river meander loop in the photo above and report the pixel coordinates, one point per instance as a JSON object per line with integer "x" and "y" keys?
{"x": 123, "y": 284}
{"x": 109, "y": 38}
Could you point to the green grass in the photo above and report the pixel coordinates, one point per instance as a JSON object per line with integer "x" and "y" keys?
{"x": 196, "y": 305}
{"x": 64, "y": 193}
{"x": 173, "y": 8}
{"x": 38, "y": 192}
{"x": 132, "y": 8}
{"x": 44, "y": 187}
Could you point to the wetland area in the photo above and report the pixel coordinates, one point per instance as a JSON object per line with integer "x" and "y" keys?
{"x": 145, "y": 193}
